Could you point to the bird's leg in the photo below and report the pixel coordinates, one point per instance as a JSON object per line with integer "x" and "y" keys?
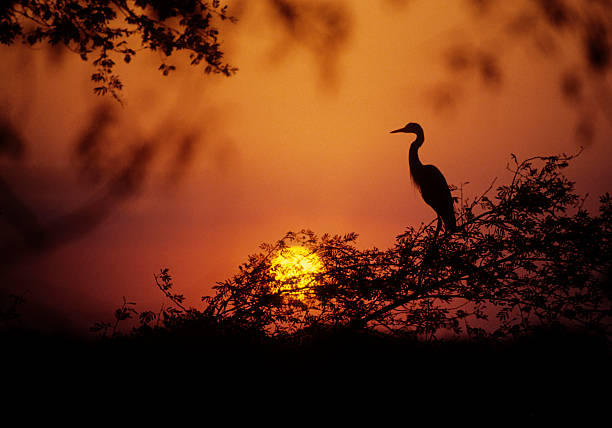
{"x": 438, "y": 227}
{"x": 430, "y": 248}
{"x": 433, "y": 246}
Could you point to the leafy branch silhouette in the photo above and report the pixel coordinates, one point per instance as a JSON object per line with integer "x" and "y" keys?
{"x": 526, "y": 255}
{"x": 109, "y": 29}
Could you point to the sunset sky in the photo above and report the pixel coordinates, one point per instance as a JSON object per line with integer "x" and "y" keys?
{"x": 298, "y": 138}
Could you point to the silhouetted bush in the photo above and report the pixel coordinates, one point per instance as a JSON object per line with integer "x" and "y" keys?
{"x": 528, "y": 255}
{"x": 525, "y": 256}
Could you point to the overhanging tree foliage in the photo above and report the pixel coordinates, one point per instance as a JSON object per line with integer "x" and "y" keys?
{"x": 112, "y": 30}
{"x": 527, "y": 254}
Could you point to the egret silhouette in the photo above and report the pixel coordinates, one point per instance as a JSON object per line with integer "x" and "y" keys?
{"x": 430, "y": 181}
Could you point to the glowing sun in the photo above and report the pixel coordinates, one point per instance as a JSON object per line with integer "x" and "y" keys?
{"x": 294, "y": 270}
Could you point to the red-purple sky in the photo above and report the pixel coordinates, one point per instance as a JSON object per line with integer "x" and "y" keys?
{"x": 298, "y": 138}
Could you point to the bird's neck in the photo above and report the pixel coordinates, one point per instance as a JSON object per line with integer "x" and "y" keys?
{"x": 413, "y": 155}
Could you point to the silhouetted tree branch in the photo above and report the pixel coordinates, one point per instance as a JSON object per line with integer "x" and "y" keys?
{"x": 110, "y": 29}
{"x": 525, "y": 256}
{"x": 528, "y": 255}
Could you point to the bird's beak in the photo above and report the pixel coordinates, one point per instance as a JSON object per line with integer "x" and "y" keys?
{"x": 397, "y": 130}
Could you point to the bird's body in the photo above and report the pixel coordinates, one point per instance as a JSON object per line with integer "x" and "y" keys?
{"x": 429, "y": 180}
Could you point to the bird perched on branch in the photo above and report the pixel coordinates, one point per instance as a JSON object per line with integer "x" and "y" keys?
{"x": 430, "y": 181}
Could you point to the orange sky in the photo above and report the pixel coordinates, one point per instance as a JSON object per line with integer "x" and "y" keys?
{"x": 279, "y": 148}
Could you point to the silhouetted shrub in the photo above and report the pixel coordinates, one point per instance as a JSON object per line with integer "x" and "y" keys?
{"x": 527, "y": 255}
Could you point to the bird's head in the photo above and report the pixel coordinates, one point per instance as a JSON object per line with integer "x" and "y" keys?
{"x": 411, "y": 128}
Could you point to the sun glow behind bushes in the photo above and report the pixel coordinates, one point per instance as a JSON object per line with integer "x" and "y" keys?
{"x": 523, "y": 258}
{"x": 294, "y": 270}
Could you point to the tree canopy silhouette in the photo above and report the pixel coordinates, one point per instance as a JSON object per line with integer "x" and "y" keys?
{"x": 524, "y": 256}
{"x": 108, "y": 29}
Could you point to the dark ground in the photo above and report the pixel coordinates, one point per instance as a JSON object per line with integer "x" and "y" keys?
{"x": 549, "y": 375}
